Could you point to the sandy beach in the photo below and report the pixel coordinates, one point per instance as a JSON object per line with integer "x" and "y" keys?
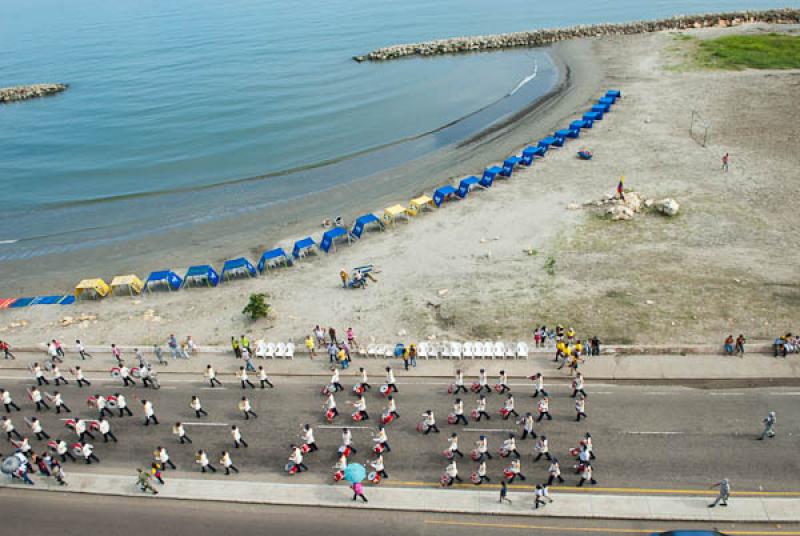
{"x": 726, "y": 263}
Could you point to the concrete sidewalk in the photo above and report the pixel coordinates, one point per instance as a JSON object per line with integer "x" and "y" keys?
{"x": 471, "y": 501}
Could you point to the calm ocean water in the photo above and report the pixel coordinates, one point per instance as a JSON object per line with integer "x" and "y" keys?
{"x": 169, "y": 99}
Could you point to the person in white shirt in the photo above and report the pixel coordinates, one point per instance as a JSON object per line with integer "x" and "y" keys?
{"x": 481, "y": 409}
{"x": 149, "y": 413}
{"x": 360, "y": 405}
{"x": 238, "y": 440}
{"x": 146, "y": 375}
{"x": 104, "y": 427}
{"x": 81, "y": 431}
{"x": 483, "y": 448}
{"x": 58, "y": 378}
{"x": 538, "y": 385}
{"x": 510, "y": 445}
{"x": 452, "y": 473}
{"x": 197, "y": 407}
{"x": 211, "y": 376}
{"x": 52, "y": 352}
{"x": 541, "y": 496}
{"x": 8, "y": 427}
{"x": 38, "y": 373}
{"x": 180, "y": 432}
{"x": 453, "y": 446}
{"x": 101, "y": 404}
{"x": 580, "y": 408}
{"x": 481, "y": 472}
{"x": 202, "y": 460}
{"x": 88, "y": 453}
{"x": 308, "y": 438}
{"x": 337, "y": 386}
{"x": 503, "y": 382}
{"x": 554, "y": 472}
{"x": 377, "y": 464}
{"x": 7, "y": 401}
{"x": 483, "y": 381}
{"x": 263, "y": 378}
{"x": 543, "y": 449}
{"x": 36, "y": 397}
{"x": 382, "y": 439}
{"x": 578, "y": 386}
{"x": 162, "y": 456}
{"x": 364, "y": 379}
{"x": 244, "y": 379}
{"x": 23, "y": 446}
{"x": 226, "y": 462}
{"x": 544, "y": 410}
{"x": 296, "y": 457}
{"x": 430, "y": 422}
{"x": 125, "y": 376}
{"x": 459, "y": 382}
{"x": 330, "y": 405}
{"x": 587, "y": 475}
{"x": 508, "y": 408}
{"x": 80, "y": 379}
{"x": 392, "y": 407}
{"x": 122, "y": 405}
{"x": 390, "y": 381}
{"x": 587, "y": 445}
{"x": 527, "y": 426}
{"x": 59, "y": 403}
{"x": 246, "y": 408}
{"x": 81, "y": 350}
{"x": 36, "y": 429}
{"x": 458, "y": 411}
{"x": 62, "y": 450}
{"x": 516, "y": 471}
{"x": 347, "y": 440}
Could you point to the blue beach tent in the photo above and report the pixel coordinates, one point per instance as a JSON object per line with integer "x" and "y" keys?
{"x": 442, "y": 194}
{"x": 167, "y": 277}
{"x": 580, "y": 123}
{"x": 606, "y": 100}
{"x": 551, "y": 141}
{"x": 303, "y": 247}
{"x": 201, "y": 273}
{"x": 22, "y": 302}
{"x": 488, "y": 176}
{"x": 330, "y": 236}
{"x": 235, "y": 268}
{"x": 593, "y": 116}
{"x": 613, "y": 94}
{"x": 567, "y": 133}
{"x": 271, "y": 258}
{"x": 509, "y": 164}
{"x": 601, "y": 108}
{"x": 529, "y": 153}
{"x": 466, "y": 185}
{"x": 362, "y": 222}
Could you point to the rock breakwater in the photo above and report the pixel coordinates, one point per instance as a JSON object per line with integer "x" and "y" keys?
{"x": 19, "y": 93}
{"x": 537, "y": 38}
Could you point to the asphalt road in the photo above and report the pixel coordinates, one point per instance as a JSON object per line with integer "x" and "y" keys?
{"x": 56, "y": 514}
{"x": 654, "y": 437}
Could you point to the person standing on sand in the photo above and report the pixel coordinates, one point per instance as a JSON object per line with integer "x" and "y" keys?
{"x": 344, "y": 277}
{"x": 620, "y": 192}
{"x": 725, "y": 159}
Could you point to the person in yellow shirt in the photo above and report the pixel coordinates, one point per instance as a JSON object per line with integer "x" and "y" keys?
{"x": 310, "y": 345}
{"x": 560, "y": 346}
{"x": 567, "y": 354}
{"x": 578, "y": 349}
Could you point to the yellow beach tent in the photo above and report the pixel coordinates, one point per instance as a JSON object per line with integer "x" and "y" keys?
{"x": 133, "y": 283}
{"x": 418, "y": 204}
{"x": 390, "y": 214}
{"x": 94, "y": 288}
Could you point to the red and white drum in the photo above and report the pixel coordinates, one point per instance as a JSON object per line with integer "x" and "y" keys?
{"x": 291, "y": 468}
{"x": 504, "y": 412}
{"x": 357, "y": 417}
{"x": 52, "y": 444}
{"x": 325, "y": 390}
{"x": 448, "y": 454}
{"x": 507, "y": 472}
{"x": 474, "y": 414}
{"x": 344, "y": 451}
{"x": 77, "y": 449}
{"x": 475, "y": 478}
{"x": 421, "y": 427}
{"x": 304, "y": 448}
{"x": 115, "y": 372}
{"x": 358, "y": 389}
{"x": 574, "y": 451}
{"x": 451, "y": 419}
{"x": 498, "y": 387}
{"x": 70, "y": 423}
{"x": 386, "y": 390}
{"x": 374, "y": 477}
{"x": 379, "y": 448}
{"x": 111, "y": 402}
{"x": 135, "y": 372}
{"x": 329, "y": 415}
{"x": 475, "y": 455}
{"x": 338, "y": 475}
{"x": 386, "y": 419}
{"x": 451, "y": 389}
{"x": 444, "y": 480}
{"x": 91, "y": 401}
{"x": 475, "y": 387}
{"x": 94, "y": 425}
{"x": 503, "y": 452}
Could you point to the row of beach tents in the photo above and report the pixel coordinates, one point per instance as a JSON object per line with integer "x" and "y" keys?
{"x": 241, "y": 267}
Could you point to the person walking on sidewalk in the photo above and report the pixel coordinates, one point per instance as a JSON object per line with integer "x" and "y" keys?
{"x": 79, "y": 377}
{"x": 740, "y": 340}
{"x": 8, "y": 402}
{"x": 211, "y": 376}
{"x": 725, "y": 161}
{"x": 247, "y": 409}
{"x": 155, "y": 470}
{"x": 554, "y": 473}
{"x": 724, "y": 486}
{"x": 358, "y": 489}
{"x": 504, "y": 493}
{"x": 179, "y": 431}
{"x": 458, "y": 411}
{"x": 197, "y": 407}
{"x": 58, "y": 473}
{"x": 143, "y": 481}
{"x": 769, "y": 426}
{"x": 149, "y": 413}
{"x": 4, "y": 346}
{"x": 237, "y": 350}
{"x": 263, "y": 378}
{"x": 227, "y": 463}
{"x": 238, "y": 440}
{"x": 541, "y": 496}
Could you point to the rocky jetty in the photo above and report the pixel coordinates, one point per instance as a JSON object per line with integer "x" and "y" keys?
{"x": 537, "y": 38}
{"x": 18, "y": 93}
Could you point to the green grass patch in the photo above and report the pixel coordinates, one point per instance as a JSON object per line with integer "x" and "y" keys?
{"x": 682, "y": 37}
{"x": 768, "y": 51}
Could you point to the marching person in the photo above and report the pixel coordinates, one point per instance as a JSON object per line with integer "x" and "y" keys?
{"x": 145, "y": 374}
{"x": 382, "y": 439}
{"x": 101, "y": 403}
{"x": 36, "y": 429}
{"x": 226, "y": 462}
{"x": 481, "y": 472}
{"x": 79, "y": 377}
{"x": 430, "y": 422}
{"x": 538, "y": 385}
{"x": 541, "y": 496}
{"x": 453, "y": 446}
{"x": 104, "y": 427}
{"x": 364, "y": 379}
{"x": 36, "y": 397}
{"x": 244, "y": 379}
{"x": 122, "y": 405}
{"x": 481, "y": 409}
{"x": 586, "y": 475}
{"x": 38, "y": 373}
{"x": 115, "y": 351}
{"x": 544, "y": 410}
{"x": 335, "y": 382}
{"x": 510, "y": 445}
{"x": 452, "y": 473}
{"x": 62, "y": 450}
{"x": 59, "y": 403}
{"x": 180, "y": 432}
{"x": 197, "y": 407}
{"x": 516, "y": 471}
{"x": 347, "y": 440}
{"x": 543, "y": 449}
{"x": 263, "y": 378}
{"x": 508, "y": 407}
{"x": 587, "y": 445}
{"x": 527, "y": 426}
{"x": 390, "y": 381}
{"x": 308, "y": 438}
{"x": 238, "y": 440}
{"x": 554, "y": 472}
{"x": 125, "y": 375}
{"x": 724, "y": 492}
{"x": 769, "y": 425}
{"x": 246, "y": 408}
{"x": 330, "y": 405}
{"x": 202, "y": 460}
{"x": 503, "y": 383}
{"x": 483, "y": 381}
{"x": 360, "y": 405}
{"x": 24, "y": 447}
{"x": 296, "y": 457}
{"x": 161, "y": 456}
{"x": 211, "y": 376}
{"x": 580, "y": 408}
{"x": 458, "y": 411}
{"x": 149, "y": 413}
{"x": 392, "y": 407}
{"x": 459, "y": 382}
{"x": 578, "y": 385}
{"x": 81, "y": 431}
{"x": 8, "y": 402}
{"x": 377, "y": 464}
{"x": 81, "y": 350}
{"x": 483, "y": 448}
{"x": 88, "y": 453}
{"x": 58, "y": 377}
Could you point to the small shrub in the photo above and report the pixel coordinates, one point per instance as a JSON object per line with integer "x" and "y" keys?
{"x": 257, "y": 307}
{"x": 550, "y": 266}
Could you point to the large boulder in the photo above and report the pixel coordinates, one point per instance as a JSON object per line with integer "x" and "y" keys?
{"x": 668, "y": 207}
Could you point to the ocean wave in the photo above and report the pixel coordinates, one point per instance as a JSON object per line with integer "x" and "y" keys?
{"x": 526, "y": 79}
{"x": 8, "y": 241}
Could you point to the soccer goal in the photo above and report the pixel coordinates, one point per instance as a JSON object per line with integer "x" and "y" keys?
{"x": 699, "y": 128}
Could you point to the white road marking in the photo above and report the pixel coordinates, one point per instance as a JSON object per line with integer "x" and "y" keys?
{"x": 214, "y": 388}
{"x": 468, "y": 429}
{"x": 204, "y": 423}
{"x": 785, "y": 394}
{"x": 324, "y": 426}
{"x": 726, "y": 394}
{"x": 655, "y": 433}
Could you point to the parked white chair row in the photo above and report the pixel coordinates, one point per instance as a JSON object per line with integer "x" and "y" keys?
{"x": 456, "y": 350}
{"x": 271, "y": 350}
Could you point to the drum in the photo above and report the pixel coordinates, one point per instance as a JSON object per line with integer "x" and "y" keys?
{"x": 475, "y": 478}
{"x": 451, "y": 389}
{"x": 344, "y": 451}
{"x": 94, "y": 425}
{"x": 448, "y": 454}
{"x": 444, "y": 480}
{"x": 291, "y": 468}
{"x": 304, "y": 448}
{"x": 508, "y": 473}
{"x": 503, "y": 452}
{"x": 574, "y": 451}
{"x": 77, "y": 449}
{"x": 329, "y": 415}
{"x": 386, "y": 419}
{"x": 384, "y": 389}
{"x": 70, "y": 423}
{"x": 136, "y": 373}
{"x": 52, "y": 444}
{"x": 475, "y": 387}
{"x": 475, "y": 455}
{"x": 338, "y": 475}
{"x": 374, "y": 477}
{"x": 379, "y": 448}
{"x": 91, "y": 401}
{"x": 451, "y": 419}
{"x": 421, "y": 427}
{"x": 357, "y": 417}
{"x": 325, "y": 390}
{"x": 115, "y": 372}
{"x": 474, "y": 414}
{"x": 504, "y": 412}
{"x": 358, "y": 389}
{"x": 498, "y": 388}
{"x": 111, "y": 402}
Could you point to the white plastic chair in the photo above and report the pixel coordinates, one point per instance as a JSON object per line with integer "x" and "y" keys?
{"x": 433, "y": 350}
{"x": 467, "y": 351}
{"x": 280, "y": 350}
{"x": 371, "y": 350}
{"x": 422, "y": 350}
{"x": 388, "y": 352}
{"x": 522, "y": 350}
{"x": 455, "y": 350}
{"x": 261, "y": 348}
{"x": 510, "y": 352}
{"x": 499, "y": 350}
{"x": 270, "y": 350}
{"x": 290, "y": 350}
{"x": 444, "y": 349}
{"x": 477, "y": 349}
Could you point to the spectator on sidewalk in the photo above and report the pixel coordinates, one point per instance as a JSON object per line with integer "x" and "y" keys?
{"x": 724, "y": 492}
{"x": 310, "y": 346}
{"x": 541, "y": 496}
{"x": 729, "y": 345}
{"x": 358, "y": 491}
{"x": 504, "y": 493}
{"x": 740, "y": 340}
{"x": 237, "y": 350}
{"x": 6, "y": 348}
{"x": 595, "y": 346}
{"x": 144, "y": 482}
